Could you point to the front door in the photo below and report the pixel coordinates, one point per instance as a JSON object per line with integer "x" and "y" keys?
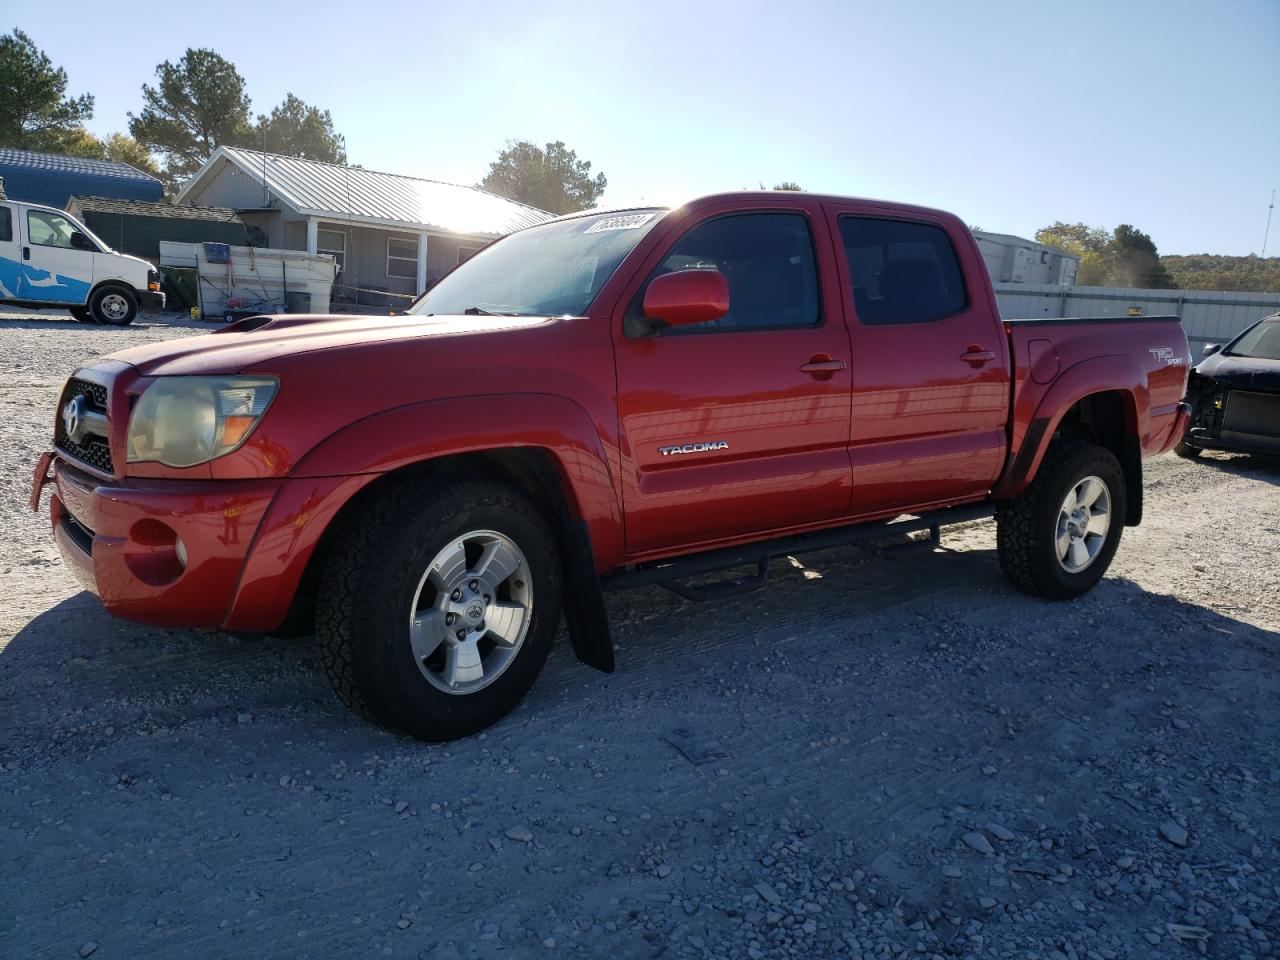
{"x": 930, "y": 364}
{"x": 54, "y": 271}
{"x": 10, "y": 253}
{"x": 741, "y": 424}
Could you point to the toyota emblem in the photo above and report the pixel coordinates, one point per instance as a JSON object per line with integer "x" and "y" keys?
{"x": 73, "y": 415}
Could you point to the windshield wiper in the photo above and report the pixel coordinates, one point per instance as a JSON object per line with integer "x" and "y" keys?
{"x": 478, "y": 312}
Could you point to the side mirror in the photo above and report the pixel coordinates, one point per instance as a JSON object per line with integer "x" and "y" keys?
{"x": 1210, "y": 349}
{"x": 687, "y": 297}
{"x": 80, "y": 242}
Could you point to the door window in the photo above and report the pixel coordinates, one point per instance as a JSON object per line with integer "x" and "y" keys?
{"x": 49, "y": 230}
{"x": 768, "y": 261}
{"x": 901, "y": 272}
{"x": 6, "y": 225}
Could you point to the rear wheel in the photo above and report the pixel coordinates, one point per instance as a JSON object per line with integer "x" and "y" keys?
{"x": 1057, "y": 539}
{"x": 81, "y": 314}
{"x": 114, "y": 306}
{"x": 439, "y": 605}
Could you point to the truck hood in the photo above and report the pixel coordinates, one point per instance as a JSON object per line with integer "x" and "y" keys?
{"x": 1242, "y": 373}
{"x": 255, "y": 341}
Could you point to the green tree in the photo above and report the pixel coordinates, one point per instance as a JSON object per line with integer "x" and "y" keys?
{"x": 1134, "y": 261}
{"x": 81, "y": 143}
{"x": 1126, "y": 257}
{"x": 35, "y": 112}
{"x": 1088, "y": 243}
{"x": 789, "y": 185}
{"x": 198, "y": 105}
{"x": 299, "y": 130}
{"x": 124, "y": 149}
{"x": 553, "y": 179}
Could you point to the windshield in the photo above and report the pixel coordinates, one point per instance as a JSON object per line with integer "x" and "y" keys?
{"x": 1260, "y": 343}
{"x": 548, "y": 271}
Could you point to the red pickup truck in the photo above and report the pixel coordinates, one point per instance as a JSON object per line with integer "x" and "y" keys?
{"x": 609, "y": 399}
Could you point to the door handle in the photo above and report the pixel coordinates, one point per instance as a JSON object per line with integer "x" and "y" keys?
{"x": 26, "y": 253}
{"x": 977, "y": 356}
{"x": 821, "y": 366}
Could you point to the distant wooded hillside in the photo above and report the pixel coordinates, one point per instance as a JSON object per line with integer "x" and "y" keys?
{"x": 1204, "y": 271}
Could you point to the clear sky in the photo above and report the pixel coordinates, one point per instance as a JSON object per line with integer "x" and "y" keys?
{"x": 1160, "y": 113}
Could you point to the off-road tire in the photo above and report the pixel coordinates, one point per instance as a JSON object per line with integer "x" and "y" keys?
{"x": 103, "y": 306}
{"x": 81, "y": 314}
{"x": 1026, "y": 526}
{"x": 367, "y": 589}
{"x": 1186, "y": 451}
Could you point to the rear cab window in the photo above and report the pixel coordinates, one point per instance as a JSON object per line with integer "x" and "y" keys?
{"x": 901, "y": 271}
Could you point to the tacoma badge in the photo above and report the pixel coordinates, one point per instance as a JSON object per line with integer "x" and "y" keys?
{"x": 704, "y": 447}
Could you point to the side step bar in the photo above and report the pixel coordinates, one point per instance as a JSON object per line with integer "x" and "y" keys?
{"x": 669, "y": 573}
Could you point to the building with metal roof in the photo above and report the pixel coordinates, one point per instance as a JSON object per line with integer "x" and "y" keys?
{"x": 138, "y": 226}
{"x": 1012, "y": 259}
{"x": 392, "y": 235}
{"x": 53, "y": 179}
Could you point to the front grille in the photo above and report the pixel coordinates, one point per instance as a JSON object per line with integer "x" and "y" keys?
{"x": 1257, "y": 413}
{"x": 96, "y": 392}
{"x": 80, "y": 535}
{"x": 94, "y": 451}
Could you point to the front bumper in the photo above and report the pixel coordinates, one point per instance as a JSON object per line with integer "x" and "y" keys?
{"x": 150, "y": 300}
{"x": 158, "y": 552}
{"x": 245, "y": 544}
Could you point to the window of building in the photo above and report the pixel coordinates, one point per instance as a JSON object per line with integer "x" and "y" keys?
{"x": 334, "y": 243}
{"x": 901, "y": 272}
{"x": 49, "y": 230}
{"x": 466, "y": 253}
{"x": 6, "y": 225}
{"x": 402, "y": 257}
{"x": 768, "y": 261}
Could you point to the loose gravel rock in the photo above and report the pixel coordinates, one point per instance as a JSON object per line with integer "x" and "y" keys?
{"x": 786, "y": 774}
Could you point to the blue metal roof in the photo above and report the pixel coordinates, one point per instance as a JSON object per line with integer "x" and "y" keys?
{"x": 52, "y": 178}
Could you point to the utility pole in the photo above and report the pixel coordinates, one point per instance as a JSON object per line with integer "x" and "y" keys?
{"x": 1267, "y": 236}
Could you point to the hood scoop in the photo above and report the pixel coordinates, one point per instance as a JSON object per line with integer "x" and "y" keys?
{"x": 276, "y": 322}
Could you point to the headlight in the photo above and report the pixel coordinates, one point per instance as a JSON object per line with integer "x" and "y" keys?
{"x": 183, "y": 421}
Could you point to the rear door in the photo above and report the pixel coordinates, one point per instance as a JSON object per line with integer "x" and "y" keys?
{"x": 930, "y": 362}
{"x": 728, "y": 427}
{"x": 53, "y": 270}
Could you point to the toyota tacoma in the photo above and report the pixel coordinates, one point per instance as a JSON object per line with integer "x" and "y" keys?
{"x": 605, "y": 400}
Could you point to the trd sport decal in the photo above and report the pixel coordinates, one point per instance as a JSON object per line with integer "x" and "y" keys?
{"x": 704, "y": 447}
{"x": 1166, "y": 354}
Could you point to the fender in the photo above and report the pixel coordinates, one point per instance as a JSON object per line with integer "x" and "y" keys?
{"x": 1042, "y": 412}
{"x": 332, "y": 472}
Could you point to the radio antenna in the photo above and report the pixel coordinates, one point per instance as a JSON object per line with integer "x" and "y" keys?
{"x": 1267, "y": 236}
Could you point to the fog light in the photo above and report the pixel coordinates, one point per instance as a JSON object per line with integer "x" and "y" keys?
{"x": 154, "y": 553}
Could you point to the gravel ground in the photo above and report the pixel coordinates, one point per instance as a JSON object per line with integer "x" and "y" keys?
{"x": 873, "y": 757}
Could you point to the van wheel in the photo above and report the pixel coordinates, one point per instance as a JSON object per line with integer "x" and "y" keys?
{"x": 1057, "y": 539}
{"x": 1186, "y": 451}
{"x": 114, "y": 306}
{"x": 438, "y": 606}
{"x": 81, "y": 314}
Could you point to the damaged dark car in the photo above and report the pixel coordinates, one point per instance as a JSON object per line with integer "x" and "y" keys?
{"x": 1235, "y": 395}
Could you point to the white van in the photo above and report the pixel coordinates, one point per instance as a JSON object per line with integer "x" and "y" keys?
{"x": 50, "y": 259}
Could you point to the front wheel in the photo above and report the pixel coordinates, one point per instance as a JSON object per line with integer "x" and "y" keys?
{"x": 439, "y": 605}
{"x": 114, "y": 306}
{"x": 1057, "y": 539}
